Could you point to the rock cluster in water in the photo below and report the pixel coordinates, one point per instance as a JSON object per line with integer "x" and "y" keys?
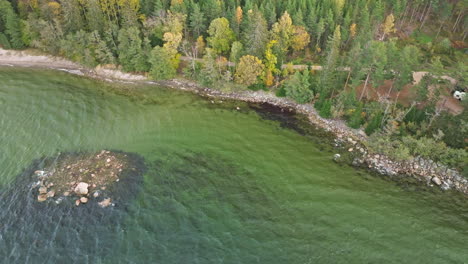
{"x": 84, "y": 178}
{"x": 432, "y": 173}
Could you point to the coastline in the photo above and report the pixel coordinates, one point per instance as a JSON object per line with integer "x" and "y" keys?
{"x": 348, "y": 139}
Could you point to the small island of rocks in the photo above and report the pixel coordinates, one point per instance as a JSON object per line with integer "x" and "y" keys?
{"x": 84, "y": 177}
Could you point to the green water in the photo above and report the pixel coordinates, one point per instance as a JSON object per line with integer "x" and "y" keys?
{"x": 222, "y": 186}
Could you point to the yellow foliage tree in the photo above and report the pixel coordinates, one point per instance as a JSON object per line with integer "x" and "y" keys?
{"x": 270, "y": 64}
{"x": 200, "y": 46}
{"x": 239, "y": 15}
{"x": 176, "y": 2}
{"x": 172, "y": 40}
{"x": 283, "y": 31}
{"x": 353, "y": 30}
{"x": 55, "y": 8}
{"x": 388, "y": 26}
{"x": 112, "y": 7}
{"x": 269, "y": 79}
{"x": 300, "y": 39}
{"x": 174, "y": 22}
{"x": 133, "y": 4}
{"x": 248, "y": 70}
{"x": 339, "y": 4}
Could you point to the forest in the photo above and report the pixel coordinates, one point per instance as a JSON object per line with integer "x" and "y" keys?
{"x": 354, "y": 60}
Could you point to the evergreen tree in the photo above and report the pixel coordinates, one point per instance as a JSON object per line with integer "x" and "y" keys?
{"x": 10, "y": 25}
{"x": 162, "y": 64}
{"x": 236, "y": 51}
{"x": 325, "y": 109}
{"x": 197, "y": 21}
{"x": 130, "y": 50}
{"x": 374, "y": 124}
{"x": 355, "y": 121}
{"x": 330, "y": 72}
{"x": 255, "y": 35}
{"x": 298, "y": 87}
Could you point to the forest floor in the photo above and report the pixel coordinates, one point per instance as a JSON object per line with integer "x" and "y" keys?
{"x": 409, "y": 94}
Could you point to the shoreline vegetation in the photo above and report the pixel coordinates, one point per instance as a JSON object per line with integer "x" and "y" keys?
{"x": 354, "y": 141}
{"x": 395, "y": 70}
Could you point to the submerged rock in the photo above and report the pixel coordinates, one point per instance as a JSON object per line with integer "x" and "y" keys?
{"x": 42, "y": 197}
{"x": 42, "y": 190}
{"x": 81, "y": 188}
{"x": 106, "y": 202}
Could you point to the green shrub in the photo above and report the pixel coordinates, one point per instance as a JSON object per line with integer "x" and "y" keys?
{"x": 355, "y": 121}
{"x": 4, "y": 41}
{"x": 163, "y": 64}
{"x": 325, "y": 109}
{"x": 298, "y": 87}
{"x": 258, "y": 86}
{"x": 281, "y": 92}
{"x": 374, "y": 124}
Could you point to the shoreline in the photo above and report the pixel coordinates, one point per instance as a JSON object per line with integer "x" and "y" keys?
{"x": 347, "y": 139}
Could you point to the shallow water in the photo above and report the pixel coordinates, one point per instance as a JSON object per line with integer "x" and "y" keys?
{"x": 222, "y": 186}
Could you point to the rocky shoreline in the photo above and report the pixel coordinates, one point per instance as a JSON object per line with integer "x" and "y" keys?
{"x": 347, "y": 139}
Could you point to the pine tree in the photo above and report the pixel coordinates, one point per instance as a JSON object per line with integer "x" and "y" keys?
{"x": 11, "y": 24}
{"x": 130, "y": 50}
{"x": 298, "y": 87}
{"x": 329, "y": 74}
{"x": 325, "y": 109}
{"x": 197, "y": 21}
{"x": 355, "y": 120}
{"x": 163, "y": 66}
{"x": 255, "y": 35}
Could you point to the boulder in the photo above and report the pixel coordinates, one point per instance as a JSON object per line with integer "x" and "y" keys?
{"x": 437, "y": 181}
{"x": 42, "y": 190}
{"x": 336, "y": 156}
{"x": 42, "y": 197}
{"x": 445, "y": 186}
{"x": 50, "y": 194}
{"x": 81, "y": 188}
